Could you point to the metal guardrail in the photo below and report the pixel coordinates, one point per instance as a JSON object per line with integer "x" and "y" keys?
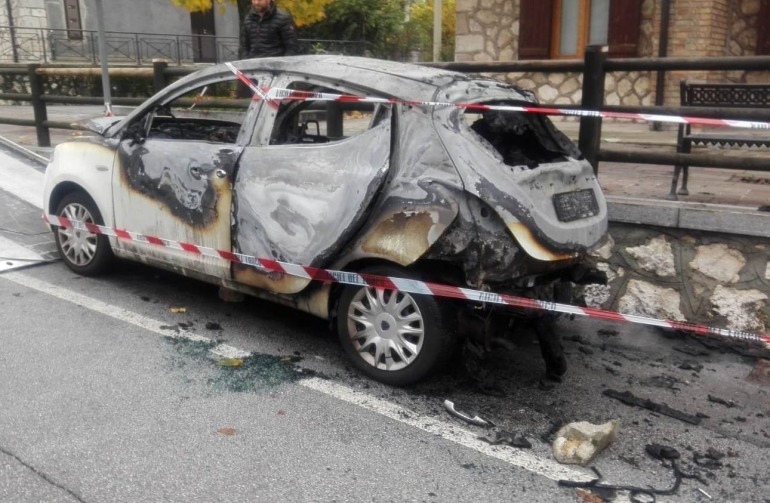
{"x": 44, "y": 45}
{"x": 594, "y": 68}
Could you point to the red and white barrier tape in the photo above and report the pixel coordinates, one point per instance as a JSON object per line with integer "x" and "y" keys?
{"x": 275, "y": 94}
{"x": 403, "y": 284}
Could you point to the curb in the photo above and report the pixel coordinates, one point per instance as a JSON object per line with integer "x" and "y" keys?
{"x": 692, "y": 216}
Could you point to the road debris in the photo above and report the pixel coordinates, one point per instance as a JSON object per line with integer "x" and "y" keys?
{"x": 507, "y": 438}
{"x": 711, "y": 460}
{"x": 475, "y": 420}
{"x": 579, "y": 443}
{"x": 635, "y": 494}
{"x": 761, "y": 373}
{"x": 661, "y": 452}
{"x": 704, "y": 493}
{"x": 629, "y": 398}
{"x": 721, "y": 401}
{"x": 178, "y": 310}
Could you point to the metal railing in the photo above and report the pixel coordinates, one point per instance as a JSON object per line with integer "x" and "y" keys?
{"x": 43, "y": 45}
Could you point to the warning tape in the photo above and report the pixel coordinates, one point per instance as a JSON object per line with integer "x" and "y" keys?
{"x": 274, "y": 94}
{"x": 403, "y": 284}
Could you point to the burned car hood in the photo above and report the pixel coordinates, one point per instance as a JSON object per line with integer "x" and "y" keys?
{"x": 97, "y": 124}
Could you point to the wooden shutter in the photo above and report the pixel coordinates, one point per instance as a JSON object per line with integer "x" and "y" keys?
{"x": 623, "y": 33}
{"x": 535, "y": 18}
{"x": 763, "y": 28}
{"x": 72, "y": 19}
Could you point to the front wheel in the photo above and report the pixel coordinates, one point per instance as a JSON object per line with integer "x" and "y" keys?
{"x": 394, "y": 337}
{"x": 85, "y": 253}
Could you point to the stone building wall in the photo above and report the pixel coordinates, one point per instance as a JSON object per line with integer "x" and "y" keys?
{"x": 488, "y": 30}
{"x": 743, "y": 39}
{"x": 30, "y": 20}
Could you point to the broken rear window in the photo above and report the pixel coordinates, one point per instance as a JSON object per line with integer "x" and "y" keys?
{"x": 522, "y": 139}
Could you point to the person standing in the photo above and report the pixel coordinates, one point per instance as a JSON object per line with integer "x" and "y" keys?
{"x": 267, "y": 31}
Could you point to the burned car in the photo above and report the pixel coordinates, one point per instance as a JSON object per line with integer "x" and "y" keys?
{"x": 410, "y": 187}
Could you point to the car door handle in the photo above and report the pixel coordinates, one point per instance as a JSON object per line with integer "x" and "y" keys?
{"x": 195, "y": 172}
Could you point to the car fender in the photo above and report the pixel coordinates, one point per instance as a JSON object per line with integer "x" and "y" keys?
{"x": 88, "y": 165}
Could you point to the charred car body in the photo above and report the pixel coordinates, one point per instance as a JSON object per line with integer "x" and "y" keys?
{"x": 491, "y": 200}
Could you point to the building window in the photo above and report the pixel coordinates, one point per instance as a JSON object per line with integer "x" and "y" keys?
{"x": 72, "y": 18}
{"x": 563, "y": 28}
{"x": 577, "y": 23}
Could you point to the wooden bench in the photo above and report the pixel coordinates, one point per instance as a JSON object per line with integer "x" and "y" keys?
{"x": 717, "y": 96}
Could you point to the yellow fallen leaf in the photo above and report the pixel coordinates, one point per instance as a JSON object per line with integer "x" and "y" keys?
{"x": 230, "y": 362}
{"x": 227, "y": 431}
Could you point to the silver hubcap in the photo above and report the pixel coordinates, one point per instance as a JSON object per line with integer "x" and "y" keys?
{"x": 78, "y": 246}
{"x": 386, "y": 328}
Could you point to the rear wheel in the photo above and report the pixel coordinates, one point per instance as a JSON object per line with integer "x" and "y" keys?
{"x": 394, "y": 337}
{"x": 85, "y": 253}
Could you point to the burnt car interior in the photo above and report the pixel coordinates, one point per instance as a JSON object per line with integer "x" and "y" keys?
{"x": 312, "y": 122}
{"x": 521, "y": 139}
{"x": 210, "y": 113}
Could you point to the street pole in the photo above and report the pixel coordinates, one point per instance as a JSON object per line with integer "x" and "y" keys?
{"x": 14, "y": 49}
{"x": 103, "y": 59}
{"x": 437, "y": 30}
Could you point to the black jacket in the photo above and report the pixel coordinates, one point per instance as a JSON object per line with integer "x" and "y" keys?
{"x": 273, "y": 34}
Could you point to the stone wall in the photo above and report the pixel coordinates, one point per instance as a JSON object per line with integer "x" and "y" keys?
{"x": 706, "y": 278}
{"x": 488, "y": 30}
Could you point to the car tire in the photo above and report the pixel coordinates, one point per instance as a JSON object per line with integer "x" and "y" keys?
{"x": 85, "y": 253}
{"x": 396, "y": 338}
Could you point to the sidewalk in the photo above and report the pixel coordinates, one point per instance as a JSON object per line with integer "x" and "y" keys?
{"x": 750, "y": 189}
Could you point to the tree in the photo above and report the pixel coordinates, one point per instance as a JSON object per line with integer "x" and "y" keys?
{"x": 392, "y": 29}
{"x": 420, "y": 25}
{"x": 304, "y": 11}
{"x": 376, "y": 23}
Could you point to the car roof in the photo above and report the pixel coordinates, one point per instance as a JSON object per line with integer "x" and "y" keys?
{"x": 405, "y": 81}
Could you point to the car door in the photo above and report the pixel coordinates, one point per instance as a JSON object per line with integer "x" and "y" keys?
{"x": 176, "y": 167}
{"x": 304, "y": 186}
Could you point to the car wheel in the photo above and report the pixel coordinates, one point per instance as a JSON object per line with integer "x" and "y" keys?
{"x": 85, "y": 253}
{"x": 394, "y": 337}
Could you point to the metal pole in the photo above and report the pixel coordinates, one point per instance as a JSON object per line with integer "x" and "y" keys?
{"x": 590, "y": 135}
{"x": 158, "y": 76}
{"x": 9, "y": 10}
{"x": 103, "y": 59}
{"x": 437, "y": 30}
{"x": 660, "y": 78}
{"x": 38, "y": 106}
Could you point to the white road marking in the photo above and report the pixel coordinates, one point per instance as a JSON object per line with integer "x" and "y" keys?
{"x": 447, "y": 431}
{"x": 21, "y": 180}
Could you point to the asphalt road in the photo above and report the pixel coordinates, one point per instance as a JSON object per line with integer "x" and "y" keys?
{"x": 110, "y": 392}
